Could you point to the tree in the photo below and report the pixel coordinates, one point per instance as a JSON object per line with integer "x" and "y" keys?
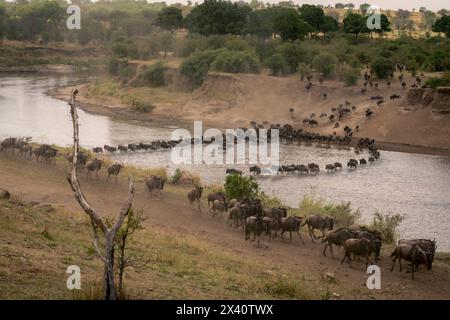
{"x": 218, "y": 17}
{"x": 2, "y": 21}
{"x": 354, "y": 23}
{"x": 276, "y": 63}
{"x": 169, "y": 18}
{"x": 443, "y": 12}
{"x": 350, "y": 5}
{"x": 429, "y": 19}
{"x": 403, "y": 19}
{"x": 364, "y": 8}
{"x": 97, "y": 222}
{"x": 339, "y": 5}
{"x": 312, "y": 15}
{"x": 287, "y": 23}
{"x": 260, "y": 23}
{"x": 329, "y": 25}
{"x": 442, "y": 25}
{"x": 382, "y": 67}
{"x": 238, "y": 186}
{"x": 325, "y": 63}
{"x": 385, "y": 25}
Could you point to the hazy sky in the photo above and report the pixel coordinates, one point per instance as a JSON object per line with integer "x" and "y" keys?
{"x": 434, "y": 5}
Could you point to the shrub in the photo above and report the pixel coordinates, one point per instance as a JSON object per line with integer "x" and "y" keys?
{"x": 444, "y": 81}
{"x": 382, "y": 67}
{"x": 154, "y": 75}
{"x": 196, "y": 67}
{"x": 176, "y": 177}
{"x": 387, "y": 225}
{"x": 143, "y": 107}
{"x": 350, "y": 76}
{"x": 325, "y": 63}
{"x": 238, "y": 186}
{"x": 236, "y": 61}
{"x": 276, "y": 63}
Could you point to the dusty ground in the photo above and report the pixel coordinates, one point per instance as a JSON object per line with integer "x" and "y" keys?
{"x": 172, "y": 217}
{"x": 233, "y": 100}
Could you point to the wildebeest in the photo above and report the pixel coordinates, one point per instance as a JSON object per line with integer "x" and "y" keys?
{"x": 155, "y": 185}
{"x": 81, "y": 159}
{"x": 114, "y": 170}
{"x": 394, "y": 96}
{"x": 97, "y": 150}
{"x": 337, "y": 237}
{"x": 218, "y": 206}
{"x": 337, "y": 165}
{"x": 291, "y": 224}
{"x": 319, "y": 222}
{"x": 122, "y": 148}
{"x": 313, "y": 168}
{"x": 352, "y": 163}
{"x": 330, "y": 167}
{"x": 94, "y": 165}
{"x": 427, "y": 245}
{"x": 362, "y": 161}
{"x": 233, "y": 171}
{"x": 255, "y": 225}
{"x": 109, "y": 148}
{"x": 195, "y": 195}
{"x": 412, "y": 253}
{"x": 255, "y": 170}
{"x": 357, "y": 247}
{"x": 215, "y": 196}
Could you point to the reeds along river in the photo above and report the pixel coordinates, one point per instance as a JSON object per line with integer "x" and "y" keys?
{"x": 417, "y": 186}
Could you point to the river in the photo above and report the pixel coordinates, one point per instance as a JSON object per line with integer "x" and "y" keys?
{"x": 417, "y": 186}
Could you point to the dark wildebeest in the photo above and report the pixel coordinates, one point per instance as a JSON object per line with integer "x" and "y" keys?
{"x": 97, "y": 150}
{"x": 122, "y": 148}
{"x": 319, "y": 222}
{"x": 330, "y": 167}
{"x": 352, "y": 163}
{"x": 362, "y": 161}
{"x": 49, "y": 155}
{"x": 215, "y": 196}
{"x": 337, "y": 237}
{"x": 195, "y": 195}
{"x": 412, "y": 253}
{"x": 233, "y": 171}
{"x": 155, "y": 185}
{"x": 94, "y": 165}
{"x": 394, "y": 96}
{"x": 255, "y": 170}
{"x": 255, "y": 225}
{"x": 218, "y": 206}
{"x": 81, "y": 159}
{"x": 114, "y": 170}
{"x": 109, "y": 148}
{"x": 291, "y": 224}
{"x": 375, "y": 237}
{"x": 425, "y": 244}
{"x": 357, "y": 247}
{"x": 338, "y": 165}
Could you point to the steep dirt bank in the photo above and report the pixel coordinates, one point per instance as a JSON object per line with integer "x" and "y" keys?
{"x": 171, "y": 215}
{"x": 231, "y": 100}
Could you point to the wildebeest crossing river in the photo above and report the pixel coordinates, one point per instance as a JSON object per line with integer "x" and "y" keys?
{"x": 417, "y": 186}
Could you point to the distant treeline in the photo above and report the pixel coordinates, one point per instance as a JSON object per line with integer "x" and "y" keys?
{"x": 234, "y": 36}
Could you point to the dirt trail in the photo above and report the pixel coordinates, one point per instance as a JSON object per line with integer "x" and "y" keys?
{"x": 47, "y": 184}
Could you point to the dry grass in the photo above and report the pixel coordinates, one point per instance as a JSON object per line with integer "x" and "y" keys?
{"x": 38, "y": 243}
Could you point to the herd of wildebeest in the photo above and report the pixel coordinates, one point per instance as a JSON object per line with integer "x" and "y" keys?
{"x": 249, "y": 214}
{"x": 259, "y": 222}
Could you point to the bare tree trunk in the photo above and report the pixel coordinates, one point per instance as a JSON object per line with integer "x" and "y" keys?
{"x": 97, "y": 222}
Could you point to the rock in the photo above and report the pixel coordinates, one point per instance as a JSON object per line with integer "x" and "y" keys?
{"x": 4, "y": 194}
{"x": 335, "y": 296}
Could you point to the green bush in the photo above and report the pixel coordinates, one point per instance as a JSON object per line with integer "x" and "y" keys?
{"x": 236, "y": 61}
{"x": 387, "y": 225}
{"x": 276, "y": 64}
{"x": 196, "y": 66}
{"x": 176, "y": 176}
{"x": 325, "y": 63}
{"x": 444, "y": 81}
{"x": 143, "y": 107}
{"x": 350, "y": 76}
{"x": 154, "y": 75}
{"x": 238, "y": 186}
{"x": 382, "y": 67}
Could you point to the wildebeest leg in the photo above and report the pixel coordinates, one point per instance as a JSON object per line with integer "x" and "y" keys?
{"x": 310, "y": 233}
{"x": 345, "y": 256}
{"x": 325, "y": 249}
{"x": 400, "y": 263}
{"x": 412, "y": 270}
{"x": 300, "y": 236}
{"x": 199, "y": 208}
{"x": 281, "y": 235}
{"x": 393, "y": 263}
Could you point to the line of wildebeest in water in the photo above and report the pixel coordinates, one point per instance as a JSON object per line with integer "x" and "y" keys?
{"x": 250, "y": 215}
{"x": 259, "y": 222}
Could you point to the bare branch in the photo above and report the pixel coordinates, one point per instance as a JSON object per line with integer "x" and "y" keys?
{"x": 125, "y": 209}
{"x": 73, "y": 179}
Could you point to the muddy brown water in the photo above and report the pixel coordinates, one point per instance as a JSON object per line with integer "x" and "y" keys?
{"x": 417, "y": 186}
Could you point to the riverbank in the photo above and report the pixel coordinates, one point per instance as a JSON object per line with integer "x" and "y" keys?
{"x": 114, "y": 106}
{"x": 178, "y": 248}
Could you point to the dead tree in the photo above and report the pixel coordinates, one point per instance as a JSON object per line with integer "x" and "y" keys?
{"x": 97, "y": 222}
